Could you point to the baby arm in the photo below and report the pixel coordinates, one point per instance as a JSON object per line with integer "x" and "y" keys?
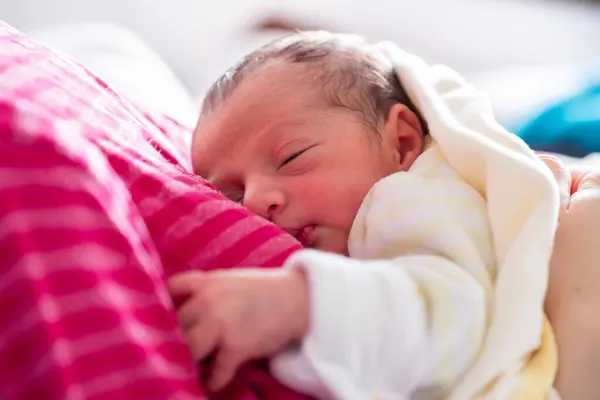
{"x": 410, "y": 313}
{"x": 386, "y": 328}
{"x": 390, "y": 326}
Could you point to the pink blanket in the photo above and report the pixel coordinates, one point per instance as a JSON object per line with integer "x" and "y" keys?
{"x": 97, "y": 209}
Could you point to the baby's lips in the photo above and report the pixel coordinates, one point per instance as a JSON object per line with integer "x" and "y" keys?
{"x": 305, "y": 235}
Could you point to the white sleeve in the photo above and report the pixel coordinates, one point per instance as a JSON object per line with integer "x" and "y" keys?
{"x": 385, "y": 328}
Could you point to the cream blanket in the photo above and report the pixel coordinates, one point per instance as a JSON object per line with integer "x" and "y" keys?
{"x": 443, "y": 294}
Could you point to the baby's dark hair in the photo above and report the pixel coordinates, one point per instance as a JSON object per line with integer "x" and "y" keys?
{"x": 340, "y": 65}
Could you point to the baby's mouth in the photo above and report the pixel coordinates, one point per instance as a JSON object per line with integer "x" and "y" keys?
{"x": 305, "y": 235}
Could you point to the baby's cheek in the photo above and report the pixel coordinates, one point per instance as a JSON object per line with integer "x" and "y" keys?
{"x": 338, "y": 207}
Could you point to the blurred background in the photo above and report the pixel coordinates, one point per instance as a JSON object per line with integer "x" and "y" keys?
{"x": 538, "y": 59}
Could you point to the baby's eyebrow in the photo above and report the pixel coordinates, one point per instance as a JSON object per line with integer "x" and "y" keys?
{"x": 278, "y": 127}
{"x": 291, "y": 142}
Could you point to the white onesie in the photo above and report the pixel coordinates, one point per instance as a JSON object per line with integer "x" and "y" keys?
{"x": 442, "y": 296}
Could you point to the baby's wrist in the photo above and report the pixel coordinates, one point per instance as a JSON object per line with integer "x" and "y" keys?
{"x": 300, "y": 306}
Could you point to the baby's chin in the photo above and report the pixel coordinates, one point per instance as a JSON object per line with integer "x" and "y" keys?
{"x": 334, "y": 243}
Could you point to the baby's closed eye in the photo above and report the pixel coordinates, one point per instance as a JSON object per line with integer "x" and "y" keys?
{"x": 236, "y": 195}
{"x": 294, "y": 156}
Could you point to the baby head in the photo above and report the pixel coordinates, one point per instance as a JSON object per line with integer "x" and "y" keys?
{"x": 301, "y": 129}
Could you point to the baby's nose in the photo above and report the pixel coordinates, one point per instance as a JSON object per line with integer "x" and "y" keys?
{"x": 265, "y": 203}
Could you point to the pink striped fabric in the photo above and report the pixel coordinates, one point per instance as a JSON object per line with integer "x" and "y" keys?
{"x": 97, "y": 209}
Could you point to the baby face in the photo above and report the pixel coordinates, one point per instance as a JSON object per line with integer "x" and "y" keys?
{"x": 274, "y": 147}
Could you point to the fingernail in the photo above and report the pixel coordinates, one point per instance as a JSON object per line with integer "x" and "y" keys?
{"x": 563, "y": 180}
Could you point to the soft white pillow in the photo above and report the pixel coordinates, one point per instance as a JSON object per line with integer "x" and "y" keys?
{"x": 126, "y": 63}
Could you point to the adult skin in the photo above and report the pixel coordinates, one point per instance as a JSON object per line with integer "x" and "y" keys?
{"x": 573, "y": 300}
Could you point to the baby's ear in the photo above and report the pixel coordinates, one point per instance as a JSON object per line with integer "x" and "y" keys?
{"x": 404, "y": 132}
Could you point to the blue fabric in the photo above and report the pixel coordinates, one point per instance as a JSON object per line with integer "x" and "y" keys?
{"x": 571, "y": 126}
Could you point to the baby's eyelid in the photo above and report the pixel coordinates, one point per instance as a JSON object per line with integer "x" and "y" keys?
{"x": 239, "y": 197}
{"x": 235, "y": 196}
{"x": 295, "y": 155}
{"x": 292, "y": 157}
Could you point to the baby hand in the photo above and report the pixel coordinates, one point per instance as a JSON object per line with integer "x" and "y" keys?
{"x": 240, "y": 314}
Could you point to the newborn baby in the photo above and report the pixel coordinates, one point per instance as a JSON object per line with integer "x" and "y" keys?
{"x": 428, "y": 229}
